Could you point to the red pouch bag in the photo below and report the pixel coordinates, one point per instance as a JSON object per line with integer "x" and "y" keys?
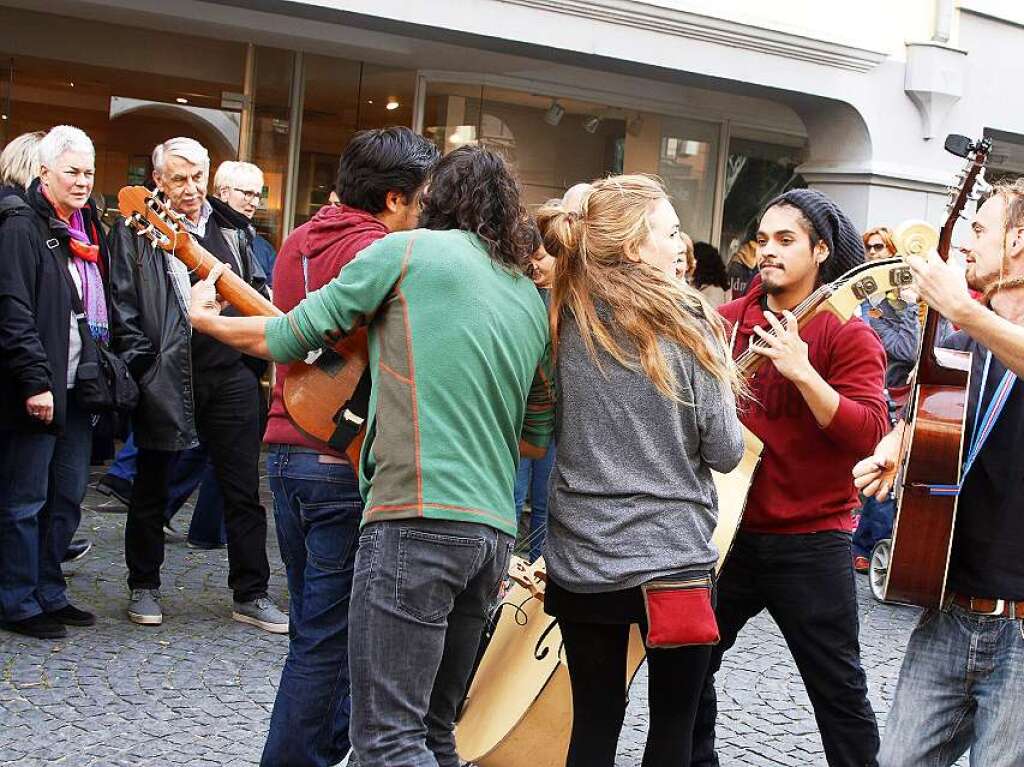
{"x": 679, "y": 612}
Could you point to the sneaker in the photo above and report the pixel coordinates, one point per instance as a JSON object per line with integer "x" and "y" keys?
{"x": 171, "y": 534}
{"x": 77, "y": 549}
{"x": 115, "y": 487}
{"x": 861, "y": 564}
{"x": 144, "y": 607}
{"x": 263, "y": 613}
{"x": 70, "y": 615}
{"x": 40, "y": 626}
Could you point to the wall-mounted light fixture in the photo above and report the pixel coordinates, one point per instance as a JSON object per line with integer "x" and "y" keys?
{"x": 554, "y": 114}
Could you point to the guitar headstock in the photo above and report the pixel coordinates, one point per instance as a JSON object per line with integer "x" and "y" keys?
{"x": 151, "y": 217}
{"x": 971, "y": 184}
{"x": 871, "y": 282}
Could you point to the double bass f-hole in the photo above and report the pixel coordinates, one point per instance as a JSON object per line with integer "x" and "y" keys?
{"x": 541, "y": 649}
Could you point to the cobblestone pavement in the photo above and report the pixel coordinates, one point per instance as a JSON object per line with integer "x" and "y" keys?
{"x": 198, "y": 690}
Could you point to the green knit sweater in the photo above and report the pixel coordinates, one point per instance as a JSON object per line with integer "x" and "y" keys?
{"x": 461, "y": 365}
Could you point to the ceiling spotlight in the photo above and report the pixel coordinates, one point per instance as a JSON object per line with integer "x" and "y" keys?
{"x": 369, "y": 101}
{"x": 554, "y": 114}
{"x": 591, "y": 123}
{"x": 71, "y": 85}
{"x": 391, "y": 106}
{"x": 181, "y": 100}
{"x": 3, "y": 117}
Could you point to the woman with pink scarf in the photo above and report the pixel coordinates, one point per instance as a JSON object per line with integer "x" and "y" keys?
{"x": 52, "y": 265}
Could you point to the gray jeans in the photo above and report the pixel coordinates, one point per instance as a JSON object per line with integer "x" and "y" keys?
{"x": 420, "y": 595}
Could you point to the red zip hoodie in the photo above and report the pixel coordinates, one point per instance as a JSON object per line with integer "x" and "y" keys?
{"x": 329, "y": 240}
{"x": 804, "y": 483}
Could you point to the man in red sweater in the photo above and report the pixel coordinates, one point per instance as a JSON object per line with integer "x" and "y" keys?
{"x": 817, "y": 404}
{"x": 317, "y": 507}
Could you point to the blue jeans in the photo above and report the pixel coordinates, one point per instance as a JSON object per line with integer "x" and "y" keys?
{"x": 419, "y": 602}
{"x": 317, "y": 510}
{"x": 124, "y": 466}
{"x": 876, "y": 519}
{"x": 961, "y": 687}
{"x": 43, "y": 479}
{"x": 533, "y": 476}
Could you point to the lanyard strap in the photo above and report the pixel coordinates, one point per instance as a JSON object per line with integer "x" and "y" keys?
{"x": 983, "y": 425}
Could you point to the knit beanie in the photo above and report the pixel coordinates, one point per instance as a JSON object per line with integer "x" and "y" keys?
{"x": 845, "y": 246}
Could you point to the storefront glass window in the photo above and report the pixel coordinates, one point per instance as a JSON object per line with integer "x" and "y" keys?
{"x": 342, "y": 97}
{"x": 553, "y": 143}
{"x": 126, "y": 112}
{"x": 756, "y": 172}
{"x": 557, "y": 142}
{"x": 271, "y": 129}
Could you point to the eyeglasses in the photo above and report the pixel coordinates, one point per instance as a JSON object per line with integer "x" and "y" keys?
{"x": 248, "y": 195}
{"x": 877, "y": 247}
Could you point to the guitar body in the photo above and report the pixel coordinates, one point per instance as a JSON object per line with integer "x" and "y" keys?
{"x": 315, "y": 395}
{"x": 922, "y": 536}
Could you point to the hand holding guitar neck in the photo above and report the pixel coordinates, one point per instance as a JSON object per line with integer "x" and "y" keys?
{"x": 204, "y": 304}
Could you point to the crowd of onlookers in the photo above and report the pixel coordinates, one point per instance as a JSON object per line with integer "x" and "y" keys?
{"x": 72, "y": 289}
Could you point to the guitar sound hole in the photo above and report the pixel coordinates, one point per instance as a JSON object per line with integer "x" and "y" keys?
{"x": 331, "y": 363}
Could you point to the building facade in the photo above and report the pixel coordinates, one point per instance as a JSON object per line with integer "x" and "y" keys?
{"x": 729, "y": 101}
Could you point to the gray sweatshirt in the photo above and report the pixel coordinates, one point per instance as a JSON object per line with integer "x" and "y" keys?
{"x": 632, "y": 496}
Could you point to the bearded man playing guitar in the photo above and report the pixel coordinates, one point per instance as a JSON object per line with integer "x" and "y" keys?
{"x": 815, "y": 406}
{"x": 962, "y": 682}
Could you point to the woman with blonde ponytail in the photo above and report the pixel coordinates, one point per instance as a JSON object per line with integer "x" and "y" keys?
{"x": 647, "y": 410}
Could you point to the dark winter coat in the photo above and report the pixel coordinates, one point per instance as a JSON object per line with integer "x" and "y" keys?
{"x": 35, "y": 305}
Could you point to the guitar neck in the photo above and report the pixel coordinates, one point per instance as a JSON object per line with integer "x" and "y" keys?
{"x": 230, "y": 285}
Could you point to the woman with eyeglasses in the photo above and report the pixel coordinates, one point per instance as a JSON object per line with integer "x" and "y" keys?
{"x": 897, "y": 321}
{"x": 240, "y": 185}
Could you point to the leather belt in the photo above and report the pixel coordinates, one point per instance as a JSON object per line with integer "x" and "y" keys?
{"x": 1000, "y": 608}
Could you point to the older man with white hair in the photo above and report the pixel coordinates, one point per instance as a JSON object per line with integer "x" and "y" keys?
{"x": 192, "y": 388}
{"x": 240, "y": 185}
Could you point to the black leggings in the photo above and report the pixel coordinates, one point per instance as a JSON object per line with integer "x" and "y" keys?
{"x": 596, "y": 654}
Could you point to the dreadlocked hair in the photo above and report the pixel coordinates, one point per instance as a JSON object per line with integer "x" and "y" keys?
{"x": 473, "y": 189}
{"x": 598, "y": 262}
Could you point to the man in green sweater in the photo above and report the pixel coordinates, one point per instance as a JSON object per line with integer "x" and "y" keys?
{"x": 460, "y": 358}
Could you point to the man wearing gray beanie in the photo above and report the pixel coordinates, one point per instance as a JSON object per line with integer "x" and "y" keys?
{"x": 816, "y": 407}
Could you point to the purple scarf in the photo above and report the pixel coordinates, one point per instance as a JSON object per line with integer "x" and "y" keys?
{"x": 84, "y": 258}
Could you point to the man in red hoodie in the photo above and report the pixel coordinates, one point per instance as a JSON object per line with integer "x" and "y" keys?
{"x": 817, "y": 404}
{"x": 317, "y": 507}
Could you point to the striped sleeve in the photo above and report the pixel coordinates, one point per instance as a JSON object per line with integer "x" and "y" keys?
{"x": 539, "y": 421}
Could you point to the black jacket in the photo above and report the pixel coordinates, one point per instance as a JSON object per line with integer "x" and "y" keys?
{"x": 35, "y": 305}
{"x": 153, "y": 335}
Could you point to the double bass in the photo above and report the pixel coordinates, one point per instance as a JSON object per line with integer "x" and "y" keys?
{"x": 518, "y": 710}
{"x": 932, "y": 448}
{"x": 320, "y": 396}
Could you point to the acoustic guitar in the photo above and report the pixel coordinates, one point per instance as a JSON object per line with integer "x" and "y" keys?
{"x": 932, "y": 449}
{"x": 518, "y": 711}
{"x": 320, "y": 397}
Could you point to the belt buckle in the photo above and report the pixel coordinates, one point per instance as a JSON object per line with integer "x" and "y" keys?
{"x": 999, "y": 608}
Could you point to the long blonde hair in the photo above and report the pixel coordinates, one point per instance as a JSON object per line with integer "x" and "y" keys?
{"x": 597, "y": 260}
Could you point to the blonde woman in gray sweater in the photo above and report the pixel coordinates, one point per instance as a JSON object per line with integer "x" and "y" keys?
{"x": 646, "y": 411}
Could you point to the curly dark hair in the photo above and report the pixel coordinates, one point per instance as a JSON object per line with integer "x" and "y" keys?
{"x": 710, "y": 269}
{"x": 473, "y": 189}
